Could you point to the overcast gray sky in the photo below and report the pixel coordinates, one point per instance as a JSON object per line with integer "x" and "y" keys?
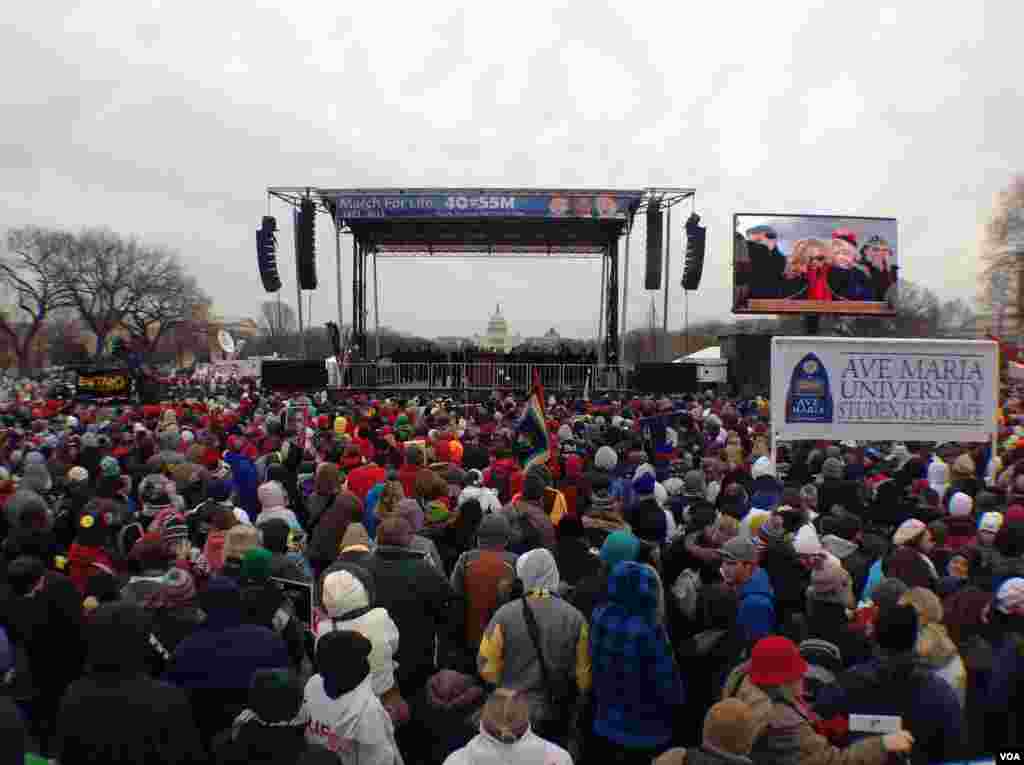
{"x": 169, "y": 119}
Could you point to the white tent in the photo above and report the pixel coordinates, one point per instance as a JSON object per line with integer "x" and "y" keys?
{"x": 711, "y": 356}
{"x": 711, "y": 367}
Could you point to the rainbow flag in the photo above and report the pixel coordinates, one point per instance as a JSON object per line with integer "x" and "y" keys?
{"x": 533, "y": 428}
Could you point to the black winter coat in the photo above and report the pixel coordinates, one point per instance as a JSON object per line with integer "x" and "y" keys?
{"x": 257, "y": 744}
{"x": 422, "y": 604}
{"x": 121, "y": 719}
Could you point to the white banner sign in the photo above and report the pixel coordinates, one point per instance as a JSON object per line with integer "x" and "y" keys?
{"x": 227, "y": 370}
{"x": 884, "y": 390}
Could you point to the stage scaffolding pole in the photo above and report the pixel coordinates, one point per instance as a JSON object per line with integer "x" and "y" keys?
{"x": 601, "y": 308}
{"x": 666, "y": 345}
{"x": 298, "y": 287}
{"x": 376, "y": 309}
{"x": 624, "y": 323}
{"x": 337, "y": 267}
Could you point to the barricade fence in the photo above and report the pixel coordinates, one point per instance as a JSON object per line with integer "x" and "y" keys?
{"x": 482, "y": 376}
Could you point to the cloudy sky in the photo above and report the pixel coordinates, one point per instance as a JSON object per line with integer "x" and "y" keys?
{"x": 168, "y": 120}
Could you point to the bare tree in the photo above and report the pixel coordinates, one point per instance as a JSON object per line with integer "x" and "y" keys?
{"x": 1001, "y": 255}
{"x": 166, "y": 298}
{"x": 277, "y": 318}
{"x": 121, "y": 283}
{"x": 29, "y": 271}
{"x": 101, "y": 275}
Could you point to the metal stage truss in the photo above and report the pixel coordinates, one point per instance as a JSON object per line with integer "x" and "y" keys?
{"x": 482, "y": 376}
{"x": 490, "y": 223}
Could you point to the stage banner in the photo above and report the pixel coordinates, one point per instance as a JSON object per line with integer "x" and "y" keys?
{"x": 598, "y": 205}
{"x": 105, "y": 383}
{"x": 884, "y": 390}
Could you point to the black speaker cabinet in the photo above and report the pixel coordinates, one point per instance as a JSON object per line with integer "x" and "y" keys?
{"x": 294, "y": 375}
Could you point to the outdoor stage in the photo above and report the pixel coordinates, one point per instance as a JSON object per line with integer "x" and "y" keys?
{"x": 488, "y": 223}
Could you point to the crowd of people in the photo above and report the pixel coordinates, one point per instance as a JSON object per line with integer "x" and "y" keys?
{"x": 656, "y": 590}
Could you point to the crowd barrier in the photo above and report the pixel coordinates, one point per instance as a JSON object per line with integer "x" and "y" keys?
{"x": 482, "y": 376}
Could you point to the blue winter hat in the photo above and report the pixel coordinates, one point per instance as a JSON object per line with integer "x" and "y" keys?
{"x": 644, "y": 484}
{"x": 620, "y": 546}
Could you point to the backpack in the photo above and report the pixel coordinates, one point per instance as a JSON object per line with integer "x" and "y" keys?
{"x": 686, "y": 591}
{"x": 501, "y": 481}
{"x": 525, "y": 536}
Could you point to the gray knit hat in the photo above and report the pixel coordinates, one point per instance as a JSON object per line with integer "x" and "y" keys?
{"x": 606, "y": 458}
{"x": 695, "y": 483}
{"x": 833, "y": 468}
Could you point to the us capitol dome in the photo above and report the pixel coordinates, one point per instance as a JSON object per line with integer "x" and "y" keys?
{"x": 498, "y": 337}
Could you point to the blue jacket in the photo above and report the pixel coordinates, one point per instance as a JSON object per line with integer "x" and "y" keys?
{"x": 215, "y": 664}
{"x": 224, "y": 654}
{"x": 757, "y": 606}
{"x": 636, "y": 682}
{"x": 246, "y": 480}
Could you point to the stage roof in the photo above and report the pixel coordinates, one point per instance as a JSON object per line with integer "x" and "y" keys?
{"x": 467, "y": 222}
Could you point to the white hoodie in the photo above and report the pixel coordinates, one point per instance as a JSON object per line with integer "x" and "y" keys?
{"x": 488, "y": 498}
{"x": 531, "y": 749}
{"x": 379, "y": 628}
{"x": 354, "y": 726}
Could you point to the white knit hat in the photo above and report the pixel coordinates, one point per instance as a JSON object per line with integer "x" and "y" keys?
{"x": 343, "y": 593}
{"x": 761, "y": 467}
{"x": 960, "y": 505}
{"x": 938, "y": 476}
{"x": 806, "y": 541}
{"x": 606, "y": 458}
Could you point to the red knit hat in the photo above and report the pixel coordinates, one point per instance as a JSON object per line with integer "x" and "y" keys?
{"x": 776, "y": 660}
{"x": 1014, "y": 513}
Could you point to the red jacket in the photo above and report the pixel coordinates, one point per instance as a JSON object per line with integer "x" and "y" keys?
{"x": 817, "y": 284}
{"x": 407, "y": 475}
{"x": 364, "y": 478}
{"x": 515, "y": 474}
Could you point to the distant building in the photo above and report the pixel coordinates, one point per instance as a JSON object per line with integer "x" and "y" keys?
{"x": 549, "y": 342}
{"x": 450, "y": 343}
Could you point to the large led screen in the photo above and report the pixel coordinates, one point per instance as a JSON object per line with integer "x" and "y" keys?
{"x": 814, "y": 264}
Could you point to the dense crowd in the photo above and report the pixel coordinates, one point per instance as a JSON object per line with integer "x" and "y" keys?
{"x": 250, "y": 579}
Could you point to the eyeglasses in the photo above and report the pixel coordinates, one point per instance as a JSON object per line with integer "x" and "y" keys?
{"x": 770, "y": 235}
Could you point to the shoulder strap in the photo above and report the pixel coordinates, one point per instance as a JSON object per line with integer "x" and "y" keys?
{"x": 534, "y": 629}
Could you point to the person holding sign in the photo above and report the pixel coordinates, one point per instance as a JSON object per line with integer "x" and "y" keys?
{"x": 771, "y": 684}
{"x": 897, "y": 685}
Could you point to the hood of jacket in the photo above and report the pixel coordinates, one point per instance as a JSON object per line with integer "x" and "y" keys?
{"x": 758, "y": 584}
{"x": 636, "y": 588}
{"x": 841, "y": 548}
{"x": 485, "y": 749}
